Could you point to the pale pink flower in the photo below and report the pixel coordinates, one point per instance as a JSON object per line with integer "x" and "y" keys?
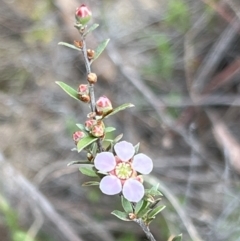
{"x": 122, "y": 171}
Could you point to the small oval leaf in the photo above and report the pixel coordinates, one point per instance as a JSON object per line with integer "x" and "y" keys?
{"x": 155, "y": 211}
{"x": 81, "y": 127}
{"x": 68, "y": 89}
{"x": 119, "y": 108}
{"x": 86, "y": 141}
{"x": 109, "y": 129}
{"x": 144, "y": 209}
{"x": 90, "y": 183}
{"x": 100, "y": 48}
{"x": 127, "y": 206}
{"x": 69, "y": 46}
{"x": 77, "y": 162}
{"x": 88, "y": 171}
{"x": 93, "y": 27}
{"x": 177, "y": 238}
{"x": 118, "y": 138}
{"x": 121, "y": 215}
{"x": 136, "y": 147}
{"x": 138, "y": 206}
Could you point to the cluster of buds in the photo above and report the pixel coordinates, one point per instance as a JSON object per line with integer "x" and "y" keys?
{"x": 95, "y": 127}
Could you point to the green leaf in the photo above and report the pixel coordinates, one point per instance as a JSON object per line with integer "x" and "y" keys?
{"x": 90, "y": 183}
{"x": 100, "y": 48}
{"x": 88, "y": 171}
{"x": 69, "y": 46}
{"x": 153, "y": 191}
{"x": 155, "y": 211}
{"x": 68, "y": 89}
{"x": 81, "y": 127}
{"x": 136, "y": 147}
{"x": 86, "y": 141}
{"x": 121, "y": 215}
{"x": 138, "y": 206}
{"x": 177, "y": 238}
{"x": 77, "y": 162}
{"x": 109, "y": 129}
{"x": 119, "y": 108}
{"x": 93, "y": 27}
{"x": 118, "y": 138}
{"x": 144, "y": 209}
{"x": 127, "y": 206}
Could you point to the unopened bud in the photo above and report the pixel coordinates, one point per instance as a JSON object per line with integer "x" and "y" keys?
{"x": 83, "y": 89}
{"x": 78, "y": 44}
{"x": 132, "y": 216}
{"x": 90, "y": 157}
{"x": 104, "y": 105}
{"x": 90, "y": 53}
{"x": 84, "y": 98}
{"x": 98, "y": 129}
{"x": 77, "y": 136}
{"x": 92, "y": 78}
{"x": 89, "y": 124}
{"x": 83, "y": 14}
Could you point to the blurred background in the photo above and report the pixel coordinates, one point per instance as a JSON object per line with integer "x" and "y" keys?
{"x": 178, "y": 61}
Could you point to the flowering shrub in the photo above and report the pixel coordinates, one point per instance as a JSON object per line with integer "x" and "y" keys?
{"x": 118, "y": 165}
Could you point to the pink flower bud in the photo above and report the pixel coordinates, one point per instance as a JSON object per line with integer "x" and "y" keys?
{"x": 89, "y": 124}
{"x": 83, "y": 14}
{"x": 77, "y": 136}
{"x": 98, "y": 130}
{"x": 104, "y": 105}
{"x": 83, "y": 89}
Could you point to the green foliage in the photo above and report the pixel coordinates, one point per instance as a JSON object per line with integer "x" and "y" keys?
{"x": 119, "y": 108}
{"x": 11, "y": 221}
{"x": 90, "y": 183}
{"x": 88, "y": 171}
{"x": 163, "y": 62}
{"x": 155, "y": 211}
{"x": 68, "y": 89}
{"x": 121, "y": 215}
{"x": 178, "y": 15}
{"x": 77, "y": 162}
{"x": 85, "y": 142}
{"x": 20, "y": 236}
{"x": 93, "y": 27}
{"x": 136, "y": 147}
{"x": 127, "y": 206}
{"x": 138, "y": 206}
{"x": 100, "y": 48}
{"x": 109, "y": 129}
{"x": 69, "y": 46}
{"x": 177, "y": 238}
{"x": 153, "y": 191}
{"x": 127, "y": 237}
{"x": 81, "y": 127}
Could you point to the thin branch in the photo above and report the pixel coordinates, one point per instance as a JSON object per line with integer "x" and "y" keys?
{"x": 91, "y": 86}
{"x": 145, "y": 229}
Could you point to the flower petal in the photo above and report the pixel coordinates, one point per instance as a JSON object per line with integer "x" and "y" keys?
{"x": 110, "y": 185}
{"x": 142, "y": 163}
{"x": 133, "y": 190}
{"x": 105, "y": 161}
{"x": 124, "y": 150}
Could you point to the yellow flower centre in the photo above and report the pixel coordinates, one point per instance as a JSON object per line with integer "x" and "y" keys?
{"x": 123, "y": 170}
